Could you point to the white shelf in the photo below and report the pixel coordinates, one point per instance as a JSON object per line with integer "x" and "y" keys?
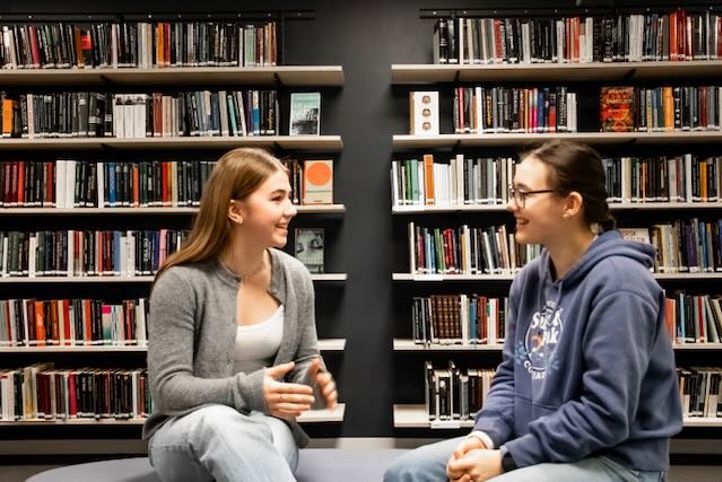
{"x": 510, "y": 277}
{"x": 499, "y": 208}
{"x": 309, "y": 142}
{"x": 415, "y": 416}
{"x": 292, "y": 76}
{"x": 544, "y": 72}
{"x": 329, "y": 344}
{"x": 697, "y": 346}
{"x": 304, "y": 209}
{"x": 515, "y": 139}
{"x": 409, "y": 345}
{"x": 451, "y": 277}
{"x": 312, "y": 416}
{"x": 130, "y": 279}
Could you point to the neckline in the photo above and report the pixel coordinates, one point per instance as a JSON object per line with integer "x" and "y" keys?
{"x": 274, "y": 317}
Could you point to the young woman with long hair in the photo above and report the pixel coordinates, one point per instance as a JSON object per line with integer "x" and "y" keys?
{"x": 233, "y": 353}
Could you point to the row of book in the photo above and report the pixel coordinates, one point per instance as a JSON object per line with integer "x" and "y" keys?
{"x": 514, "y": 109}
{"x": 42, "y": 392}
{"x": 463, "y": 181}
{"x": 467, "y": 250}
{"x": 693, "y": 318}
{"x": 72, "y": 322}
{"x": 654, "y": 36}
{"x": 659, "y": 109}
{"x": 181, "y": 114}
{"x": 700, "y": 391}
{"x": 86, "y": 253}
{"x": 71, "y": 183}
{"x": 459, "y": 319}
{"x": 685, "y": 178}
{"x": 453, "y": 393}
{"x": 61, "y": 45}
{"x": 684, "y": 246}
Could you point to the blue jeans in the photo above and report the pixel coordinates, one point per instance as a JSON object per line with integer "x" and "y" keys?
{"x": 218, "y": 443}
{"x": 428, "y": 464}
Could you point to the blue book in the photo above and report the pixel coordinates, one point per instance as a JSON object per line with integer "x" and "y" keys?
{"x": 111, "y": 184}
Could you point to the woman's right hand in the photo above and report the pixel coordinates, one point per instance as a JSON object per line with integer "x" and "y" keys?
{"x": 285, "y": 400}
{"x": 464, "y": 447}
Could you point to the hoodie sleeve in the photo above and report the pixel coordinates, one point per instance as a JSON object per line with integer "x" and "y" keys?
{"x": 496, "y": 418}
{"x": 618, "y": 340}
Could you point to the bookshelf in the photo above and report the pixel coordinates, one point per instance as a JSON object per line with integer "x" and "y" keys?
{"x": 587, "y": 76}
{"x": 323, "y": 143}
{"x": 403, "y": 344}
{"x": 329, "y": 345}
{"x": 425, "y": 74}
{"x": 279, "y": 76}
{"x": 325, "y": 277}
{"x": 598, "y": 139}
{"x": 163, "y": 211}
{"x": 312, "y": 416}
{"x": 414, "y": 416}
{"x": 500, "y": 208}
{"x": 285, "y": 78}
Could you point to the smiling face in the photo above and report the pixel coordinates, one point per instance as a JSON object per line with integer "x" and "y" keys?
{"x": 267, "y": 212}
{"x": 540, "y": 220}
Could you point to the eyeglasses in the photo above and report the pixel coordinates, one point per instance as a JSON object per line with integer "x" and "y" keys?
{"x": 520, "y": 196}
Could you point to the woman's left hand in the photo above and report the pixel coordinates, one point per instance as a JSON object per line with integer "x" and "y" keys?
{"x": 326, "y": 385}
{"x": 477, "y": 466}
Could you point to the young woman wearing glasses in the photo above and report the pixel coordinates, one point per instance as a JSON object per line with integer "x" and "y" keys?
{"x": 587, "y": 387}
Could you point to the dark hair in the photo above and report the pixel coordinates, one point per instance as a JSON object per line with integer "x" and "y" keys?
{"x": 577, "y": 167}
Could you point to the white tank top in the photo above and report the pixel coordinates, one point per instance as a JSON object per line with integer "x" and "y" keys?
{"x": 257, "y": 345}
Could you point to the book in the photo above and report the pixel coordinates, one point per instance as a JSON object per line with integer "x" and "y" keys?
{"x": 617, "y": 109}
{"x": 424, "y": 113}
{"x": 318, "y": 182}
{"x": 309, "y": 247}
{"x": 305, "y": 118}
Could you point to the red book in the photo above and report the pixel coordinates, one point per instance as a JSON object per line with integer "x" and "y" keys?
{"x": 72, "y": 395}
{"x": 165, "y": 177}
{"x": 700, "y": 320}
{"x": 40, "y": 323}
{"x": 65, "y": 309}
{"x": 35, "y": 51}
{"x": 617, "y": 109}
{"x": 21, "y": 183}
{"x": 136, "y": 186}
{"x": 87, "y": 322}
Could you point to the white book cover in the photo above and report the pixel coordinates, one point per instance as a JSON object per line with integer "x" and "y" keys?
{"x": 412, "y": 248}
{"x": 464, "y": 319}
{"x": 395, "y": 184}
{"x": 61, "y": 188}
{"x": 70, "y": 178}
{"x": 32, "y": 256}
{"x": 100, "y": 176}
{"x": 242, "y": 111}
{"x": 424, "y": 113}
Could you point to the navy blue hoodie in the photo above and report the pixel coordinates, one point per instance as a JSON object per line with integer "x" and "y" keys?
{"x": 588, "y": 368}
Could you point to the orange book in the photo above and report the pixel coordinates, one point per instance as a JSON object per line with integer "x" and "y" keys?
{"x": 159, "y": 47}
{"x": 703, "y": 181}
{"x": 78, "y": 44}
{"x": 40, "y": 323}
{"x": 429, "y": 178}
{"x": 668, "y": 99}
{"x": 669, "y": 316}
{"x": 7, "y": 117}
{"x": 136, "y": 186}
{"x": 87, "y": 323}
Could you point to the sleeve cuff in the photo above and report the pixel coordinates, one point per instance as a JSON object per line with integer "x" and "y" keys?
{"x": 485, "y": 439}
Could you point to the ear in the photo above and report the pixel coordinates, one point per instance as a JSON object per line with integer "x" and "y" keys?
{"x": 573, "y": 205}
{"x": 236, "y": 211}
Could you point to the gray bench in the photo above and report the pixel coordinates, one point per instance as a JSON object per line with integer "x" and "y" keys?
{"x": 315, "y": 465}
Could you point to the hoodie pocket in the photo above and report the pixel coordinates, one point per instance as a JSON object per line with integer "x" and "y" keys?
{"x": 526, "y": 411}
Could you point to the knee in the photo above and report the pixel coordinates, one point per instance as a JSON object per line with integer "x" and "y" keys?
{"x": 403, "y": 469}
{"x": 215, "y": 421}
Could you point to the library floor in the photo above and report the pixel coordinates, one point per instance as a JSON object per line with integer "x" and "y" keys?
{"x": 679, "y": 473}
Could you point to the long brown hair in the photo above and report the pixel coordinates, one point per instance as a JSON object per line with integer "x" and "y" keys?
{"x": 577, "y": 167}
{"x": 236, "y": 175}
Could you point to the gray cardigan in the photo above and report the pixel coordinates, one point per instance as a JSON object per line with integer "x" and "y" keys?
{"x": 192, "y": 329}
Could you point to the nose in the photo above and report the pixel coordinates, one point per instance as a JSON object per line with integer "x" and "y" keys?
{"x": 290, "y": 210}
{"x": 511, "y": 205}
